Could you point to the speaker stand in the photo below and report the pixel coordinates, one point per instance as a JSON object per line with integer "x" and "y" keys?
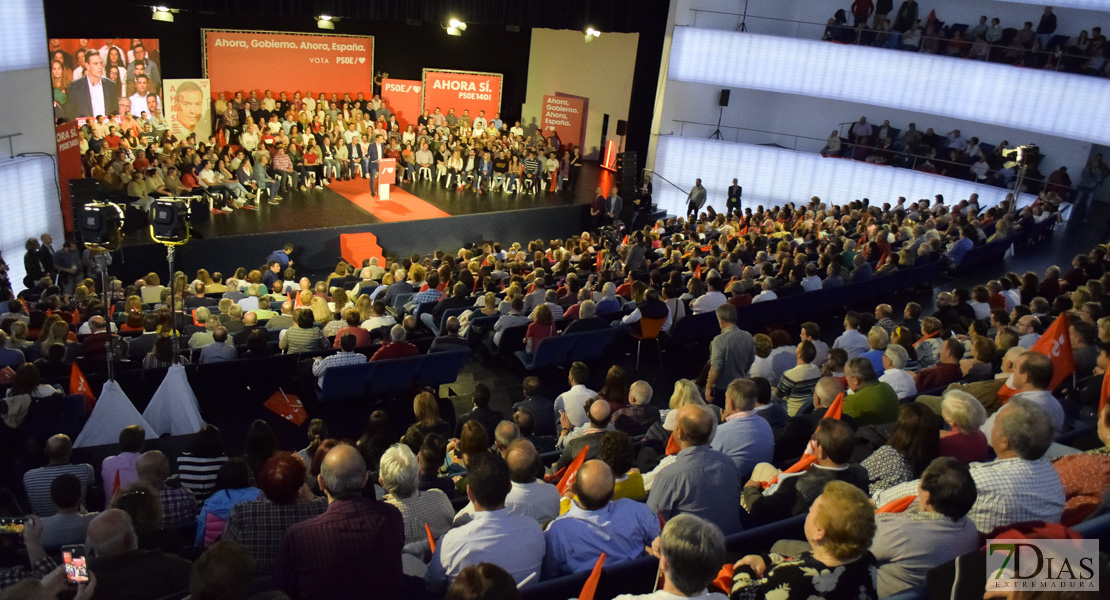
{"x": 716, "y": 135}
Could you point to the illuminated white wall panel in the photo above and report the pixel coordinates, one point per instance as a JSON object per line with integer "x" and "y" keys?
{"x": 1100, "y": 5}
{"x": 771, "y": 176}
{"x": 1043, "y": 101}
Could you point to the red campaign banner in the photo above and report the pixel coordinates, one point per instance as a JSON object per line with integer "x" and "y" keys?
{"x": 462, "y": 90}
{"x": 402, "y": 96}
{"x": 566, "y": 116}
{"x": 69, "y": 166}
{"x": 387, "y": 171}
{"x": 283, "y": 62}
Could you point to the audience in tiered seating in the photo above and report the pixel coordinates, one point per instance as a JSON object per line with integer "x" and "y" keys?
{"x": 815, "y": 438}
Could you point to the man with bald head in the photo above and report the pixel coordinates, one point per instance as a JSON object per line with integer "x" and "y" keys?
{"x": 1028, "y": 328}
{"x": 179, "y": 506}
{"x": 353, "y": 549}
{"x": 589, "y": 435}
{"x": 125, "y": 572}
{"x": 596, "y": 523}
{"x": 701, "y": 481}
{"x": 36, "y": 482}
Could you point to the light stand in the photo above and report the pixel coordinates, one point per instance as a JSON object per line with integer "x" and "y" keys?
{"x": 169, "y": 226}
{"x": 716, "y": 135}
{"x": 101, "y": 226}
{"x": 743, "y": 26}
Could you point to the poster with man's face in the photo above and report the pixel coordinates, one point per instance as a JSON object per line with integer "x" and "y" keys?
{"x": 187, "y": 107}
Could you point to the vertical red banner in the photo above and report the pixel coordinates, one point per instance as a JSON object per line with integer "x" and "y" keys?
{"x": 69, "y": 166}
{"x": 402, "y": 96}
{"x": 566, "y": 116}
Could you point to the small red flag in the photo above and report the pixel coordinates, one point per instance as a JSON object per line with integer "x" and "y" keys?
{"x": 431, "y": 538}
{"x": 1104, "y": 397}
{"x": 78, "y": 384}
{"x": 115, "y": 485}
{"x": 571, "y": 469}
{"x": 656, "y": 228}
{"x": 897, "y": 506}
{"x": 697, "y": 271}
{"x": 836, "y": 409}
{"x": 723, "y": 582}
{"x": 624, "y": 242}
{"x": 589, "y": 589}
{"x": 288, "y": 407}
{"x": 672, "y": 446}
{"x": 1056, "y": 345}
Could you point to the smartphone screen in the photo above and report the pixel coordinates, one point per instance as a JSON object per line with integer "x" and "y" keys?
{"x": 12, "y": 525}
{"x": 76, "y": 569}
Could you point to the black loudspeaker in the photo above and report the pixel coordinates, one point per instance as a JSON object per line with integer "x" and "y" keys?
{"x": 622, "y": 127}
{"x": 84, "y": 191}
{"x": 723, "y": 101}
{"x": 627, "y": 171}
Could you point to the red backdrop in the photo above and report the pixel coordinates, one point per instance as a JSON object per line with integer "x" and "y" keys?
{"x": 69, "y": 166}
{"x": 402, "y": 96}
{"x": 457, "y": 90}
{"x": 245, "y": 60}
{"x": 565, "y": 115}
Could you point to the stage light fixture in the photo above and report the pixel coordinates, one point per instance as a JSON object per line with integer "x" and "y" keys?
{"x": 457, "y": 24}
{"x": 101, "y": 225}
{"x": 591, "y": 32}
{"x": 162, "y": 13}
{"x": 325, "y": 22}
{"x": 169, "y": 221}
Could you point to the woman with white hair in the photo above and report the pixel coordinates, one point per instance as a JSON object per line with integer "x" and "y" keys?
{"x": 398, "y": 473}
{"x": 895, "y": 375}
{"x": 608, "y": 302}
{"x": 964, "y": 415}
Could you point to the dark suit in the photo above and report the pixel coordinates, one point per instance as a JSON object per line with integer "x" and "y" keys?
{"x": 32, "y": 264}
{"x": 613, "y": 206}
{"x": 79, "y": 103}
{"x": 46, "y": 257}
{"x": 733, "y": 201}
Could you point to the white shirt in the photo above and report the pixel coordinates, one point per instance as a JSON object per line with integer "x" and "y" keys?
{"x": 138, "y": 104}
{"x": 765, "y": 295}
{"x": 513, "y": 542}
{"x": 96, "y": 95}
{"x": 375, "y": 322}
{"x": 1041, "y": 398}
{"x": 537, "y": 500}
{"x": 573, "y": 402}
{"x": 901, "y": 381}
{"x": 665, "y": 595}
{"x": 707, "y": 302}
{"x": 811, "y": 283}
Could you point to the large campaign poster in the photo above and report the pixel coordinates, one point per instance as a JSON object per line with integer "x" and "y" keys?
{"x": 125, "y": 70}
{"x": 236, "y": 60}
{"x": 566, "y": 116}
{"x": 402, "y": 96}
{"x": 462, "y": 90}
{"x": 69, "y": 165}
{"x": 188, "y": 109}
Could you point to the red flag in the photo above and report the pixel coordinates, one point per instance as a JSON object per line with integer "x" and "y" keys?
{"x": 897, "y": 506}
{"x": 1006, "y": 392}
{"x": 803, "y": 464}
{"x": 672, "y": 446}
{"x": 115, "y": 485}
{"x": 589, "y": 589}
{"x": 723, "y": 582}
{"x": 927, "y": 337}
{"x": 836, "y": 409}
{"x": 431, "y": 538}
{"x": 288, "y": 407}
{"x": 78, "y": 384}
{"x": 656, "y": 228}
{"x": 1104, "y": 397}
{"x": 1056, "y": 345}
{"x": 697, "y": 271}
{"x": 624, "y": 242}
{"x": 571, "y": 469}
{"x": 599, "y": 260}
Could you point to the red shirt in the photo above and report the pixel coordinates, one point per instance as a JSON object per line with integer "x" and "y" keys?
{"x": 362, "y": 337}
{"x": 538, "y": 333}
{"x": 966, "y": 448}
{"x": 395, "y": 350}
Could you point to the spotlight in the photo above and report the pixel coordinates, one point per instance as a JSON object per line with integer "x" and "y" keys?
{"x": 169, "y": 221}
{"x": 457, "y": 24}
{"x": 162, "y": 13}
{"x": 325, "y": 22}
{"x": 453, "y": 31}
{"x": 592, "y": 34}
{"x": 101, "y": 225}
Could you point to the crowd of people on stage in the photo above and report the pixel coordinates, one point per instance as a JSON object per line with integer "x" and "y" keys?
{"x": 276, "y": 145}
{"x": 292, "y": 519}
{"x": 910, "y": 28}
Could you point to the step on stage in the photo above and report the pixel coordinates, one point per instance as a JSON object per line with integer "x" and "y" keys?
{"x": 418, "y": 217}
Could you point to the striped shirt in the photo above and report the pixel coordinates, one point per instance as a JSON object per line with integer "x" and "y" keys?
{"x": 36, "y": 483}
{"x": 429, "y": 507}
{"x": 303, "y": 339}
{"x": 796, "y": 386}
{"x": 198, "y": 473}
{"x": 340, "y": 359}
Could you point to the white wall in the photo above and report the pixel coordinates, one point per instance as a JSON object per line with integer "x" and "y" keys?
{"x": 760, "y": 14}
{"x": 28, "y": 109}
{"x": 793, "y": 115}
{"x": 561, "y": 61}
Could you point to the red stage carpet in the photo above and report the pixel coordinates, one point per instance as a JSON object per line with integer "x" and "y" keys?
{"x": 401, "y": 206}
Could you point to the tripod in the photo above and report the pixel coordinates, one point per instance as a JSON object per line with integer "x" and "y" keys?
{"x": 716, "y": 135}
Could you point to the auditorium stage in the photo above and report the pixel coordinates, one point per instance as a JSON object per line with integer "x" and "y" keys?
{"x": 313, "y": 221}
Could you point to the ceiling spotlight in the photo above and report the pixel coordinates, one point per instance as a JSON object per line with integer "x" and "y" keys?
{"x": 592, "y": 34}
{"x": 325, "y": 22}
{"x": 457, "y": 24}
{"x": 162, "y": 13}
{"x": 453, "y": 31}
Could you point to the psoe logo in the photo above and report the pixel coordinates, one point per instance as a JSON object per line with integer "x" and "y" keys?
{"x": 1048, "y": 565}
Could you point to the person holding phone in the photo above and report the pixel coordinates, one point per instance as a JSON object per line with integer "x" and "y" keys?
{"x": 44, "y": 573}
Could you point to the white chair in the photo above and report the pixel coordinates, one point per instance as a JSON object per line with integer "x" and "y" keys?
{"x": 424, "y": 173}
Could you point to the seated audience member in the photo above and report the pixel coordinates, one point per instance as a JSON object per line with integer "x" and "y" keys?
{"x": 513, "y": 542}
{"x": 398, "y": 475}
{"x": 179, "y": 506}
{"x": 793, "y": 439}
{"x": 791, "y": 494}
{"x": 852, "y": 341}
{"x": 931, "y": 532}
{"x": 964, "y": 440}
{"x": 711, "y": 299}
{"x": 895, "y": 375}
{"x": 224, "y": 572}
{"x": 280, "y": 321}
{"x": 871, "y": 402}
{"x": 124, "y": 571}
{"x": 701, "y": 481}
{"x": 588, "y": 436}
{"x": 946, "y": 370}
{"x": 597, "y": 523}
{"x": 766, "y": 407}
{"x": 207, "y": 336}
{"x": 1085, "y": 476}
{"x": 70, "y": 522}
{"x": 541, "y": 408}
{"x": 346, "y": 356}
{"x": 483, "y": 581}
{"x": 878, "y": 339}
{"x": 396, "y": 347}
{"x": 220, "y": 350}
{"x": 526, "y": 424}
{"x": 353, "y": 321}
{"x": 37, "y": 482}
{"x": 480, "y": 413}
{"x": 911, "y": 446}
{"x": 744, "y": 437}
{"x": 1032, "y": 378}
{"x": 352, "y": 527}
{"x": 258, "y": 525}
{"x": 986, "y": 392}
{"x": 432, "y": 455}
{"x": 118, "y": 471}
{"x": 587, "y": 319}
{"x": 304, "y": 336}
{"x": 639, "y": 415}
{"x": 1017, "y": 486}
{"x": 234, "y": 485}
{"x": 690, "y": 551}
{"x": 796, "y": 385}
{"x": 573, "y": 401}
{"x": 450, "y": 340}
{"x": 529, "y": 496}
{"x": 840, "y": 526}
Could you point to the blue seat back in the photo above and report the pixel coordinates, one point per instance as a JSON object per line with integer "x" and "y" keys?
{"x": 347, "y": 382}
{"x": 392, "y": 375}
{"x": 439, "y": 368}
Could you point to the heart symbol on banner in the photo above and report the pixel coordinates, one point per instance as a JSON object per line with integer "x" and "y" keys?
{"x": 361, "y": 59}
{"x": 416, "y": 88}
{"x": 389, "y": 169}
